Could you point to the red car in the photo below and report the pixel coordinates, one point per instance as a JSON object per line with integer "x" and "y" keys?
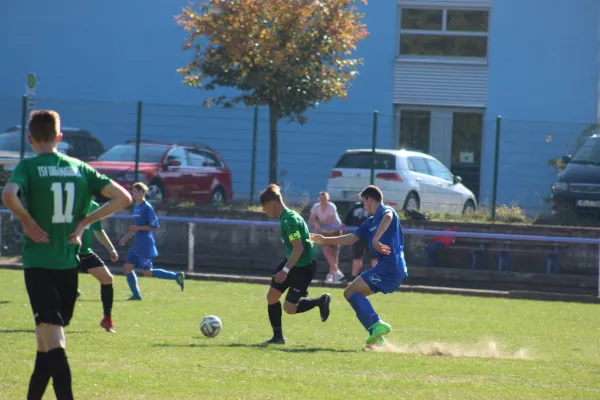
{"x": 171, "y": 171}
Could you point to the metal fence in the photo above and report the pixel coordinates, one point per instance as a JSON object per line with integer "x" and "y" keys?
{"x": 502, "y": 161}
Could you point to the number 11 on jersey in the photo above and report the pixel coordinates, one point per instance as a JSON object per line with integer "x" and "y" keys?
{"x": 63, "y": 213}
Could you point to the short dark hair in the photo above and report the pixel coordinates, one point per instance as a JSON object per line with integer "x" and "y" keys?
{"x": 141, "y": 186}
{"x": 372, "y": 192}
{"x": 271, "y": 193}
{"x": 44, "y": 126}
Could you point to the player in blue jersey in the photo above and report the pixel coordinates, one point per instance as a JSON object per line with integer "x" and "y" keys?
{"x": 144, "y": 248}
{"x": 384, "y": 234}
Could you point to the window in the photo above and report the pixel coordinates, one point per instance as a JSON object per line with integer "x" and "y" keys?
{"x": 446, "y": 33}
{"x": 438, "y": 170}
{"x": 201, "y": 158}
{"x": 417, "y": 164}
{"x": 179, "y": 154}
{"x": 364, "y": 160}
{"x": 589, "y": 153}
{"x": 414, "y": 130}
{"x": 126, "y": 152}
{"x": 467, "y": 129}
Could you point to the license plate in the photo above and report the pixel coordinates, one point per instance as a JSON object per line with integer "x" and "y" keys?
{"x": 350, "y": 194}
{"x": 588, "y": 203}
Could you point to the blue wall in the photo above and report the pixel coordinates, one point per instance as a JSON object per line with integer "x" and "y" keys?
{"x": 543, "y": 80}
{"x": 94, "y": 60}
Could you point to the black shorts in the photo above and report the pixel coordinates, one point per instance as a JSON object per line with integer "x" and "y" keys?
{"x": 361, "y": 247}
{"x": 52, "y": 294}
{"x": 89, "y": 261}
{"x": 298, "y": 281}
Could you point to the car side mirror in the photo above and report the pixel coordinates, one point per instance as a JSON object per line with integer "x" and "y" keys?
{"x": 566, "y": 159}
{"x": 457, "y": 179}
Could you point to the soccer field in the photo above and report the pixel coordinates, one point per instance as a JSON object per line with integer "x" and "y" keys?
{"x": 486, "y": 348}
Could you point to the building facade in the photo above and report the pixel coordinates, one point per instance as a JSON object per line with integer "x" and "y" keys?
{"x": 438, "y": 71}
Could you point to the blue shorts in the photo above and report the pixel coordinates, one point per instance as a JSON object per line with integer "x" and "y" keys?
{"x": 137, "y": 261}
{"x": 384, "y": 278}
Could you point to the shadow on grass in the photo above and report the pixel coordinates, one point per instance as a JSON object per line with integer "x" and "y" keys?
{"x": 3, "y": 302}
{"x": 280, "y": 348}
{"x": 8, "y": 331}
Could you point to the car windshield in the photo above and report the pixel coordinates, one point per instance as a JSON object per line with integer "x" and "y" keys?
{"x": 589, "y": 153}
{"x": 126, "y": 152}
{"x": 12, "y": 142}
{"x": 364, "y": 160}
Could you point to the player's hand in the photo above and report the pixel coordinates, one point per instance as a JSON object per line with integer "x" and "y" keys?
{"x": 381, "y": 248}
{"x": 75, "y": 237}
{"x": 280, "y": 277}
{"x": 34, "y": 232}
{"x": 316, "y": 238}
{"x": 133, "y": 228}
{"x": 123, "y": 241}
{"x": 114, "y": 256}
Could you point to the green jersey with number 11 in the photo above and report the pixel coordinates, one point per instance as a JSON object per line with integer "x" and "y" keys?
{"x": 57, "y": 190}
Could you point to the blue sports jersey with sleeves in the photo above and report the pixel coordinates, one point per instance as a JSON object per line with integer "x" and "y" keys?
{"x": 144, "y": 215}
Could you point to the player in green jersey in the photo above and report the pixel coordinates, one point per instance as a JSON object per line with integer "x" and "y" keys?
{"x": 297, "y": 271}
{"x": 57, "y": 191}
{"x": 92, "y": 264}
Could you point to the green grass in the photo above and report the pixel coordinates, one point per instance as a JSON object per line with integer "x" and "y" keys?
{"x": 159, "y": 353}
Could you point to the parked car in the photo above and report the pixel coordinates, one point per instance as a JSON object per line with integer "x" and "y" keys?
{"x": 577, "y": 186}
{"x": 76, "y": 142}
{"x": 171, "y": 171}
{"x": 409, "y": 180}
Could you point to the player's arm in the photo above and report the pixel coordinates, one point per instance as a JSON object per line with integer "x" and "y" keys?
{"x": 103, "y": 238}
{"x": 386, "y": 220}
{"x": 297, "y": 250}
{"x": 119, "y": 198}
{"x": 344, "y": 240}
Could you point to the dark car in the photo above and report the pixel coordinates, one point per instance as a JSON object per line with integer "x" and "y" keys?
{"x": 577, "y": 187}
{"x": 173, "y": 172}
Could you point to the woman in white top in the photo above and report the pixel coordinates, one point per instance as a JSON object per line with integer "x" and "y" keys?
{"x": 324, "y": 213}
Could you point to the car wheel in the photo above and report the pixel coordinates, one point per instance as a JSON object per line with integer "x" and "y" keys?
{"x": 156, "y": 193}
{"x": 469, "y": 207}
{"x": 218, "y": 197}
{"x": 412, "y": 202}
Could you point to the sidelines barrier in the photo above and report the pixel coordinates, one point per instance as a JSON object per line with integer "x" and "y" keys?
{"x": 192, "y": 222}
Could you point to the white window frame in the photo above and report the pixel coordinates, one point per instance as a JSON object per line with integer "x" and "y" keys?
{"x": 443, "y": 32}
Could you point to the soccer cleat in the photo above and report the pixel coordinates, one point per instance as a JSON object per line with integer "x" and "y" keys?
{"x": 379, "y": 342}
{"x": 329, "y": 278}
{"x": 132, "y": 298}
{"x": 274, "y": 340}
{"x": 337, "y": 276}
{"x": 380, "y": 328}
{"x": 78, "y": 294}
{"x": 181, "y": 280}
{"x": 107, "y": 324}
{"x": 324, "y": 307}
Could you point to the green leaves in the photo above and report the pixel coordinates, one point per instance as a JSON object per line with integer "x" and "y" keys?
{"x": 292, "y": 53}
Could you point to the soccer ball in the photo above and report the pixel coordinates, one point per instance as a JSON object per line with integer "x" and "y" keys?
{"x": 211, "y": 325}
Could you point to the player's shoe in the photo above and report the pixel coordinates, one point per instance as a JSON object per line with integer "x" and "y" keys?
{"x": 274, "y": 340}
{"x": 324, "y": 307}
{"x": 181, "y": 280}
{"x": 337, "y": 276}
{"x": 329, "y": 278}
{"x": 379, "y": 342}
{"x": 107, "y": 324}
{"x": 134, "y": 298}
{"x": 78, "y": 294}
{"x": 379, "y": 329}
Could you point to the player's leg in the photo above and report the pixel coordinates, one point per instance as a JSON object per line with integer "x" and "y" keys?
{"x": 358, "y": 249}
{"x": 128, "y": 270}
{"x": 98, "y": 270}
{"x": 151, "y": 272}
{"x": 274, "y": 311}
{"x": 299, "y": 280}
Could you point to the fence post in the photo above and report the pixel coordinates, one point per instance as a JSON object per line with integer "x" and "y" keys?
{"x": 138, "y": 138}
{"x": 253, "y": 166}
{"x": 1, "y": 234}
{"x": 191, "y": 242}
{"x": 23, "y": 125}
{"x": 496, "y": 157}
{"x": 599, "y": 271}
{"x": 374, "y": 144}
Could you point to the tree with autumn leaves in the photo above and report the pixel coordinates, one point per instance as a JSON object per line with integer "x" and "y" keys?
{"x": 288, "y": 55}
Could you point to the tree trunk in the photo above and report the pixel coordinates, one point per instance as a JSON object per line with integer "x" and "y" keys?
{"x": 273, "y": 147}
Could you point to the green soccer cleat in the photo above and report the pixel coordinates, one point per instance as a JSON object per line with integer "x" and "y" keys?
{"x": 378, "y": 343}
{"x": 379, "y": 329}
{"x": 181, "y": 280}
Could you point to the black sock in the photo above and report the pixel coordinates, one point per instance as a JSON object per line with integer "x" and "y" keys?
{"x": 308, "y": 304}
{"x": 39, "y": 377}
{"x": 107, "y": 294}
{"x": 61, "y": 374}
{"x": 275, "y": 318}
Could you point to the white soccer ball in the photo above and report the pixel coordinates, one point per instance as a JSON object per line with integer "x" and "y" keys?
{"x": 211, "y": 325}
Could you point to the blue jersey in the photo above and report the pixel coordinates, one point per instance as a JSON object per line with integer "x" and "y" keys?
{"x": 392, "y": 237}
{"x": 144, "y": 215}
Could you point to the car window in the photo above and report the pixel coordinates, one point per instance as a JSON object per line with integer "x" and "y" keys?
{"x": 126, "y": 152}
{"x": 95, "y": 148}
{"x": 78, "y": 147}
{"x": 202, "y": 158}
{"x": 438, "y": 170}
{"x": 12, "y": 142}
{"x": 588, "y": 153}
{"x": 417, "y": 164}
{"x": 364, "y": 160}
{"x": 179, "y": 154}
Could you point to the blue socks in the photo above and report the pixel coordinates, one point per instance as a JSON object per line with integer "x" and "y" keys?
{"x": 364, "y": 310}
{"x": 164, "y": 274}
{"x": 133, "y": 285}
